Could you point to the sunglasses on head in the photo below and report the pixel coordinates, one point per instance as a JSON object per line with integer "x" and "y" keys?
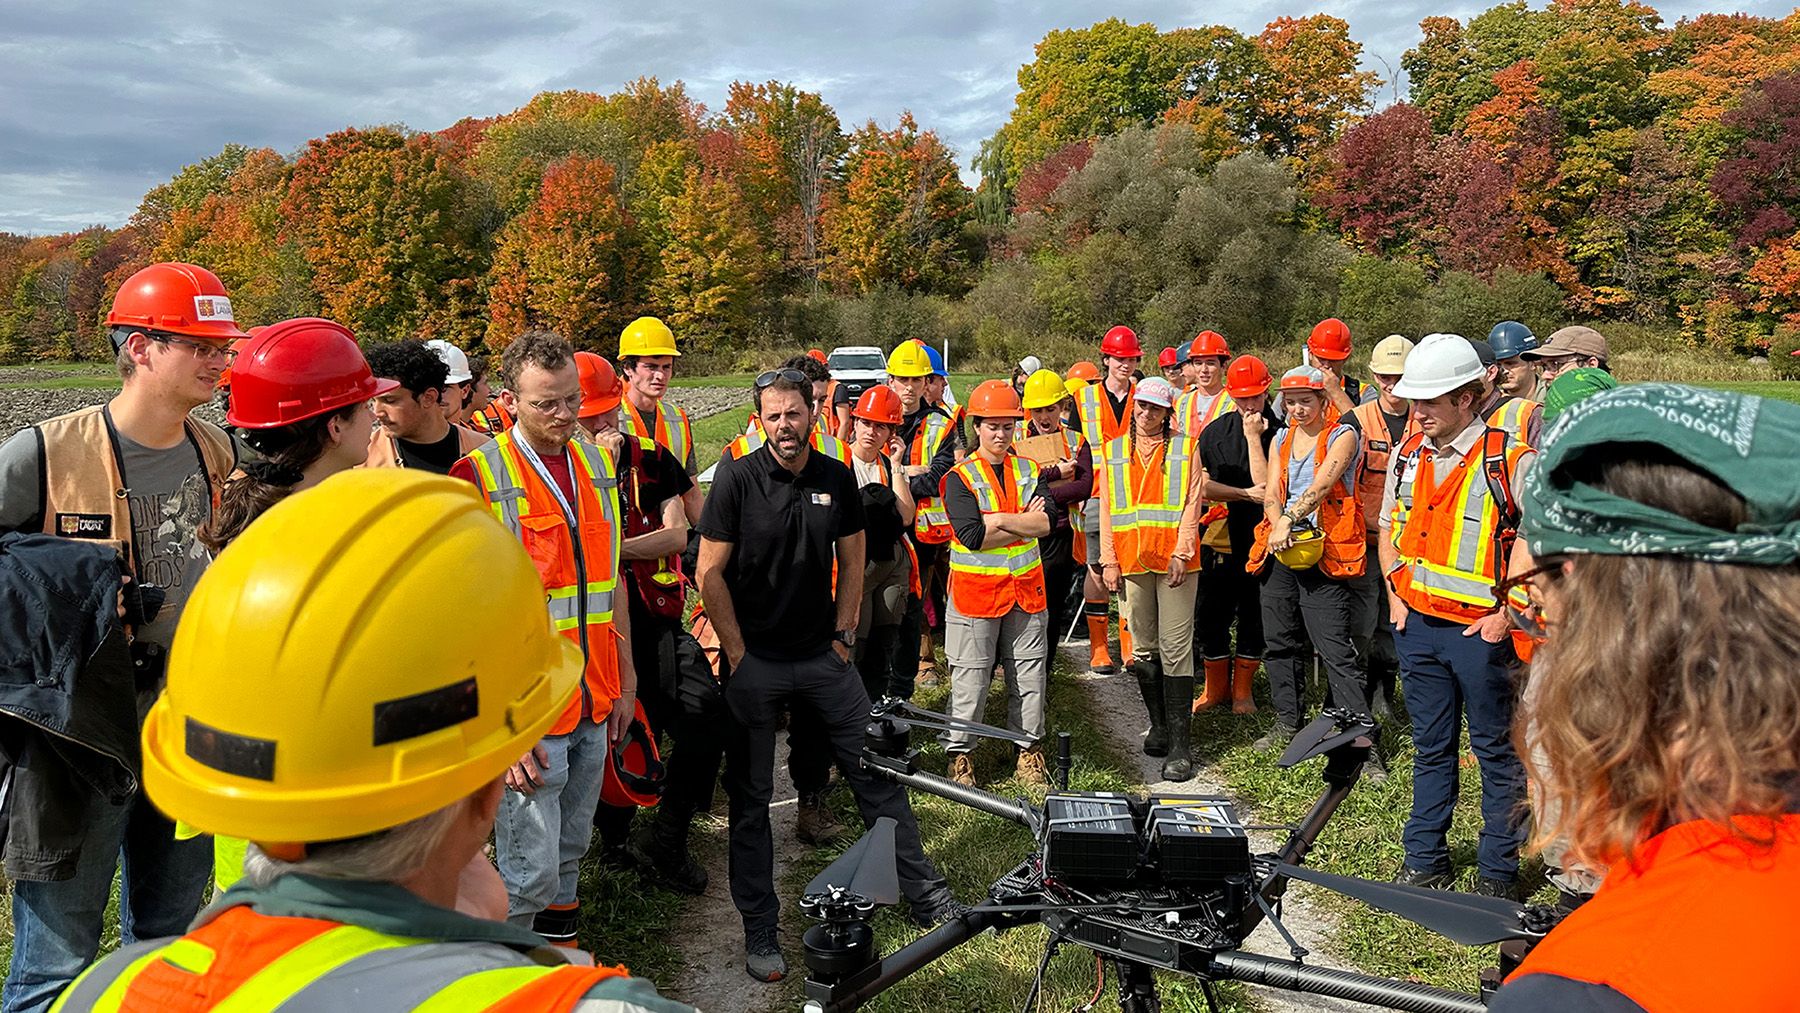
{"x": 790, "y": 375}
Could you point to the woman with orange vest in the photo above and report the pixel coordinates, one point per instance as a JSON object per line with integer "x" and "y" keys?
{"x": 890, "y": 572}
{"x": 1150, "y": 480}
{"x": 1664, "y": 543}
{"x": 1309, "y": 549}
{"x": 999, "y": 507}
{"x": 1103, "y": 413}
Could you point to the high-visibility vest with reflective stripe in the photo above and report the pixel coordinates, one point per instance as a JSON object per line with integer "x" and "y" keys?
{"x": 1145, "y": 503}
{"x": 492, "y": 420}
{"x": 1340, "y": 515}
{"x": 1513, "y": 415}
{"x": 1377, "y": 451}
{"x": 242, "y": 960}
{"x": 1195, "y": 411}
{"x": 1099, "y": 426}
{"x": 671, "y": 428}
{"x": 931, "y": 524}
{"x": 988, "y": 582}
{"x": 824, "y": 443}
{"x": 580, "y": 574}
{"x": 1073, "y": 441}
{"x": 1445, "y": 530}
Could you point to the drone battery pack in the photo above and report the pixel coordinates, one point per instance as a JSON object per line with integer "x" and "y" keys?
{"x": 1196, "y": 840}
{"x": 1090, "y": 838}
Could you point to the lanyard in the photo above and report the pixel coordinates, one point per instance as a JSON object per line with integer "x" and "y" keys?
{"x": 537, "y": 465}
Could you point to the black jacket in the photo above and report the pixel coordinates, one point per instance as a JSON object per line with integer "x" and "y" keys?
{"x": 68, "y": 700}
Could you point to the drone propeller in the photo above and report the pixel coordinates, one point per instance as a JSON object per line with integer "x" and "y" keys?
{"x": 1460, "y": 917}
{"x": 868, "y": 868}
{"x": 1327, "y": 732}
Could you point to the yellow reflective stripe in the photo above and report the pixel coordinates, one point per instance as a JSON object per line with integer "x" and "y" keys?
{"x": 505, "y": 508}
{"x": 189, "y": 955}
{"x": 285, "y": 976}
{"x": 114, "y": 996}
{"x": 482, "y": 989}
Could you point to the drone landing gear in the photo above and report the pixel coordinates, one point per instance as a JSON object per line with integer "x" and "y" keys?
{"x": 1137, "y": 987}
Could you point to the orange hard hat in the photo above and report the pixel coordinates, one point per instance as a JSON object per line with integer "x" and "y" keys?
{"x": 1330, "y": 340}
{"x": 1121, "y": 343}
{"x": 1246, "y": 377}
{"x": 1083, "y": 370}
{"x": 634, "y": 774}
{"x": 879, "y": 404}
{"x": 1166, "y": 358}
{"x": 298, "y": 369}
{"x": 1209, "y": 343}
{"x": 601, "y": 390}
{"x": 994, "y": 399}
{"x": 174, "y": 298}
{"x": 817, "y": 355}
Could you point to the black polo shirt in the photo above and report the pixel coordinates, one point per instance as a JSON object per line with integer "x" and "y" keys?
{"x": 783, "y": 528}
{"x": 1226, "y": 456}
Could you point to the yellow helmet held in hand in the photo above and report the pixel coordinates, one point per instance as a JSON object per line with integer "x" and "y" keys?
{"x": 315, "y": 692}
{"x": 1307, "y": 550}
{"x": 647, "y": 336}
{"x": 909, "y": 359}
{"x": 1043, "y": 389}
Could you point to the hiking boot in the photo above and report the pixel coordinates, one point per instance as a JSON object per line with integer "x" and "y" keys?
{"x": 762, "y": 954}
{"x": 1375, "y": 768}
{"x": 1031, "y": 769}
{"x": 1409, "y": 876}
{"x": 1505, "y": 889}
{"x": 939, "y": 908}
{"x": 1276, "y": 738}
{"x": 666, "y": 862}
{"x": 814, "y": 823}
{"x": 1567, "y": 901}
{"x": 962, "y": 769}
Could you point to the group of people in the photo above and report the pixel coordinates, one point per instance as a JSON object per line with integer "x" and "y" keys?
{"x": 261, "y": 607}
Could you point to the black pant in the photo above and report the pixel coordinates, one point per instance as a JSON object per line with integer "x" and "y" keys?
{"x": 1298, "y": 605}
{"x": 1227, "y": 593}
{"x": 912, "y": 627}
{"x": 1057, "y": 551}
{"x": 829, "y": 688}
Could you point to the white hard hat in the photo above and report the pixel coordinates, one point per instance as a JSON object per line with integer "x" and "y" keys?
{"x": 1439, "y": 364}
{"x": 1030, "y": 364}
{"x": 1389, "y": 355}
{"x": 454, "y": 358}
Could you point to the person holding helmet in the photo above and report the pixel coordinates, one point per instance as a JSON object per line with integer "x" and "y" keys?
{"x": 412, "y": 411}
{"x": 928, "y": 435}
{"x": 143, "y": 475}
{"x": 1309, "y": 550}
{"x": 1664, "y": 555}
{"x": 1070, "y": 484}
{"x": 559, "y": 496}
{"x": 1328, "y": 348}
{"x": 1203, "y": 397}
{"x": 1383, "y": 426}
{"x": 1573, "y": 347}
{"x": 890, "y": 575}
{"x": 1448, "y": 519}
{"x": 1234, "y": 452}
{"x": 1150, "y": 483}
{"x": 1103, "y": 413}
{"x": 1518, "y": 376}
{"x": 367, "y": 874}
{"x": 999, "y": 507}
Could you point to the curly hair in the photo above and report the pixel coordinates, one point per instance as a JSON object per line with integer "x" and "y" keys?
{"x": 414, "y": 366}
{"x": 1667, "y": 691}
{"x": 546, "y": 350}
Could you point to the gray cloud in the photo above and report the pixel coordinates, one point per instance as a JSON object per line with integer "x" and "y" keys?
{"x": 107, "y": 99}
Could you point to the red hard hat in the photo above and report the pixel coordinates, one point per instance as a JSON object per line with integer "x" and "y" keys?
{"x": 601, "y": 389}
{"x": 298, "y": 369}
{"x": 817, "y": 355}
{"x": 1209, "y": 343}
{"x": 1121, "y": 343}
{"x": 879, "y": 404}
{"x": 634, "y": 773}
{"x": 1166, "y": 358}
{"x": 1246, "y": 377}
{"x": 1330, "y": 340}
{"x": 1083, "y": 370}
{"x": 994, "y": 399}
{"x": 177, "y": 299}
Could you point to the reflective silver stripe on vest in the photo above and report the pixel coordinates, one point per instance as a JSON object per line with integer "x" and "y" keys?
{"x": 401, "y": 978}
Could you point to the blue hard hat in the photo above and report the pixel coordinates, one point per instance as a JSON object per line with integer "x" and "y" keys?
{"x": 937, "y": 360}
{"x": 1511, "y": 339}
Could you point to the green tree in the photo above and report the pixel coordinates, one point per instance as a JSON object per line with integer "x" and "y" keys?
{"x": 902, "y": 216}
{"x": 713, "y": 264}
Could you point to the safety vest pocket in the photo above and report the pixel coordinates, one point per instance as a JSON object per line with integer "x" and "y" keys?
{"x": 546, "y": 540}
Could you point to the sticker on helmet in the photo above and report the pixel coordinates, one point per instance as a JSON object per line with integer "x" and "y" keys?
{"x": 213, "y": 307}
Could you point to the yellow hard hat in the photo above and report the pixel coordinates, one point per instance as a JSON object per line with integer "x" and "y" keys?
{"x": 909, "y": 359}
{"x": 315, "y": 691}
{"x": 1307, "y": 550}
{"x": 1043, "y": 389}
{"x": 1073, "y": 385}
{"x": 647, "y": 336}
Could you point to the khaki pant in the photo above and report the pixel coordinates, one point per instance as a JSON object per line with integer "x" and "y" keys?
{"x": 1019, "y": 642}
{"x": 1162, "y": 620}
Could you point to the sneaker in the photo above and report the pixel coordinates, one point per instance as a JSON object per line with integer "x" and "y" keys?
{"x": 942, "y": 907}
{"x": 962, "y": 769}
{"x": 814, "y": 823}
{"x": 673, "y": 868}
{"x": 1505, "y": 889}
{"x": 1409, "y": 876}
{"x": 1375, "y": 770}
{"x": 762, "y": 954}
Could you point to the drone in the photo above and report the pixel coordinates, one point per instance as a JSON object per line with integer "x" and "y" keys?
{"x": 1167, "y": 882}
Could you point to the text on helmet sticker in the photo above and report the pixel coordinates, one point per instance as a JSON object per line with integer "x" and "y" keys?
{"x": 213, "y": 307}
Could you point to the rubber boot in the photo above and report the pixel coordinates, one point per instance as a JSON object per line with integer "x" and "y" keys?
{"x": 1178, "y": 701}
{"x": 1156, "y": 743}
{"x": 1100, "y": 660}
{"x": 1124, "y": 640}
{"x": 1243, "y": 677}
{"x": 1218, "y": 684}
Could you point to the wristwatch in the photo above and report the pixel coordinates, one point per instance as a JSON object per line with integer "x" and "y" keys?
{"x": 845, "y": 637}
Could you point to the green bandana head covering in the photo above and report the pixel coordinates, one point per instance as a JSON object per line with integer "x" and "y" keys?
{"x": 1574, "y": 385}
{"x": 1750, "y": 444}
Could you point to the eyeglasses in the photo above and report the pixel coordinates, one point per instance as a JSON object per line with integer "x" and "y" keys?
{"x": 1521, "y": 603}
{"x": 764, "y": 380}
{"x": 570, "y": 404}
{"x": 1551, "y": 367}
{"x": 200, "y": 349}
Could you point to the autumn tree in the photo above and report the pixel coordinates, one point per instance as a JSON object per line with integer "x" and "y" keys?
{"x": 1758, "y": 185}
{"x": 1311, "y": 88}
{"x": 237, "y": 233}
{"x": 713, "y": 266}
{"x": 793, "y": 147}
{"x": 901, "y": 217}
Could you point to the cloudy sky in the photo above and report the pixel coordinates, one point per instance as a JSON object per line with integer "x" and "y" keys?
{"x": 103, "y": 100}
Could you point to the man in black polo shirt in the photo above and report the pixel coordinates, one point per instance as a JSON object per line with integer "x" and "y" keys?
{"x": 774, "y": 522}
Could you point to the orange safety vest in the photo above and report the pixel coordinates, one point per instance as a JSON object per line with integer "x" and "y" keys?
{"x": 824, "y": 443}
{"x": 1340, "y": 514}
{"x": 268, "y": 961}
{"x": 672, "y": 428}
{"x": 1145, "y": 501}
{"x": 1450, "y": 534}
{"x": 384, "y": 450}
{"x": 931, "y": 525}
{"x": 1698, "y": 922}
{"x": 991, "y": 581}
{"x": 492, "y": 420}
{"x": 1099, "y": 426}
{"x": 1513, "y": 415}
{"x": 1195, "y": 411}
{"x": 1377, "y": 450}
{"x": 85, "y": 495}
{"x": 578, "y": 560}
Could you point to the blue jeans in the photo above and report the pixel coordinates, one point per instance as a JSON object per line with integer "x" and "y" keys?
{"x": 539, "y": 838}
{"x": 1446, "y": 675}
{"x": 57, "y": 926}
